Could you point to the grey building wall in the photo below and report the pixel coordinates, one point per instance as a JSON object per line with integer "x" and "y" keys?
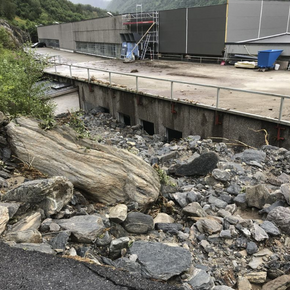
{"x": 243, "y": 20}
{"x": 206, "y": 30}
{"x": 274, "y": 17}
{"x": 66, "y": 37}
{"x": 172, "y": 31}
{"x": 198, "y": 30}
{"x": 48, "y": 32}
{"x": 249, "y": 19}
{"x": 100, "y": 30}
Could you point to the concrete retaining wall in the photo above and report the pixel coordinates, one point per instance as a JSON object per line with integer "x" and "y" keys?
{"x": 184, "y": 117}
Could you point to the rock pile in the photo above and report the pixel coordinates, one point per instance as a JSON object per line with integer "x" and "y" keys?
{"x": 221, "y": 220}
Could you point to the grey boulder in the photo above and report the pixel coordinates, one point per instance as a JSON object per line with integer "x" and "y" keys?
{"x": 51, "y": 194}
{"x": 280, "y": 216}
{"x": 160, "y": 261}
{"x": 106, "y": 174}
{"x": 201, "y": 165}
{"x": 85, "y": 229}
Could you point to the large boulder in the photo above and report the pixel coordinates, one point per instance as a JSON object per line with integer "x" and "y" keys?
{"x": 201, "y": 165}
{"x": 49, "y": 194}
{"x": 280, "y": 216}
{"x": 105, "y": 173}
{"x": 160, "y": 261}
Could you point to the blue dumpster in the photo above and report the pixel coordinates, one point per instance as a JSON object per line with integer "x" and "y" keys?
{"x": 267, "y": 58}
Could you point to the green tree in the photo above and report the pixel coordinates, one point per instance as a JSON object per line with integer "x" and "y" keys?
{"x": 20, "y": 93}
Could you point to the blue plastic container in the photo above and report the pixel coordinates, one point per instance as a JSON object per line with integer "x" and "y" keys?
{"x": 267, "y": 58}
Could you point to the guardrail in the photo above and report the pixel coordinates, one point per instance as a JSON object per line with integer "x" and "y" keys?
{"x": 172, "y": 82}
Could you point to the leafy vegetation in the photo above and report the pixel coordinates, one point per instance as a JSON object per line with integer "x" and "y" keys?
{"x": 20, "y": 94}
{"x": 28, "y": 14}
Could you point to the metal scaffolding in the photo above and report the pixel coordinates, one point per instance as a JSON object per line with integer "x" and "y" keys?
{"x": 139, "y": 22}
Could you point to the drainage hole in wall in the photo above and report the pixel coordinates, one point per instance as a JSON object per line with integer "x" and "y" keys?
{"x": 173, "y": 134}
{"x": 148, "y": 127}
{"x": 125, "y": 119}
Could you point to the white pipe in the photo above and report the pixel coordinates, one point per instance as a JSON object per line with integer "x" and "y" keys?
{"x": 260, "y": 21}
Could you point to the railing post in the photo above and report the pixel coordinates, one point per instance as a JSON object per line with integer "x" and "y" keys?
{"x": 281, "y": 108}
{"x": 88, "y": 74}
{"x": 171, "y": 90}
{"x": 110, "y": 78}
{"x": 70, "y": 72}
{"x": 137, "y": 84}
{"x": 217, "y": 98}
{"x": 55, "y": 67}
{"x": 59, "y": 60}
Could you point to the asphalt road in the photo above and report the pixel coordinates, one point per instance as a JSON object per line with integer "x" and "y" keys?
{"x": 20, "y": 269}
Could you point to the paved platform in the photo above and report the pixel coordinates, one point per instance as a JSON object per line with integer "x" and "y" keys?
{"x": 26, "y": 270}
{"x": 275, "y": 82}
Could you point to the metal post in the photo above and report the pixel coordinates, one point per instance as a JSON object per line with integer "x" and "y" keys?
{"x": 59, "y": 60}
{"x": 70, "y": 72}
{"x": 171, "y": 91}
{"x": 110, "y": 78}
{"x": 137, "y": 85}
{"x": 281, "y": 108}
{"x": 88, "y": 74}
{"x": 217, "y": 98}
{"x": 55, "y": 67}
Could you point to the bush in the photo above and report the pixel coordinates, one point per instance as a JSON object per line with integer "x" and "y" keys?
{"x": 20, "y": 93}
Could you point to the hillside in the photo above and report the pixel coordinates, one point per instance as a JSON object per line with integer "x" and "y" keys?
{"x": 125, "y": 6}
{"x": 30, "y": 13}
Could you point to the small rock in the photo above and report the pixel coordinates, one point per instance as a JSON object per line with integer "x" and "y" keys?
{"x": 244, "y": 284}
{"x": 252, "y": 248}
{"x": 251, "y": 155}
{"x": 208, "y": 226}
{"x": 241, "y": 200}
{"x": 43, "y": 248}
{"x": 194, "y": 209}
{"x": 221, "y": 175}
{"x": 285, "y": 189}
{"x": 4, "y": 218}
{"x": 201, "y": 280}
{"x": 256, "y": 277}
{"x": 118, "y": 213}
{"x": 170, "y": 228}
{"x": 270, "y": 228}
{"x": 217, "y": 202}
{"x": 28, "y": 236}
{"x": 59, "y": 242}
{"x": 280, "y": 283}
{"x": 117, "y": 245}
{"x": 31, "y": 221}
{"x": 12, "y": 207}
{"x": 259, "y": 234}
{"x": 138, "y": 223}
{"x": 163, "y": 218}
{"x": 257, "y": 196}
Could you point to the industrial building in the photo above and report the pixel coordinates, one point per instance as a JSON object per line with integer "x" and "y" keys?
{"x": 238, "y": 27}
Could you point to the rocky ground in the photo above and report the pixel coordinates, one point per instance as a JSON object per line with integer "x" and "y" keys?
{"x": 221, "y": 220}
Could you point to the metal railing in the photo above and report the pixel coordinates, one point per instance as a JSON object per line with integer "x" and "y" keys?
{"x": 172, "y": 82}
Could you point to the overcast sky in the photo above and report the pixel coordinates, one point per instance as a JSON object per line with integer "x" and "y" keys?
{"x": 96, "y": 3}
